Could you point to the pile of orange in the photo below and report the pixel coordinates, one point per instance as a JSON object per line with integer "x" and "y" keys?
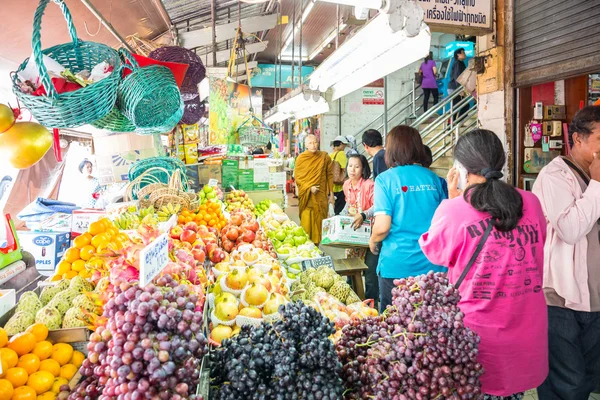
{"x": 209, "y": 214}
{"x": 81, "y": 258}
{"x": 32, "y": 367}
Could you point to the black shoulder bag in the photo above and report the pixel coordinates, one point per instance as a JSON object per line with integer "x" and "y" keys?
{"x": 482, "y": 241}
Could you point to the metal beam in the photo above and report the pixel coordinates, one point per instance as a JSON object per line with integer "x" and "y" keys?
{"x": 106, "y": 24}
{"x": 221, "y": 72}
{"x": 222, "y": 56}
{"x": 203, "y": 37}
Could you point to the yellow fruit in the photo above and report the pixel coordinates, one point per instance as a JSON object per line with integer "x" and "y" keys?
{"x": 87, "y": 252}
{"x": 58, "y": 382}
{"x": 6, "y": 390}
{"x": 107, "y": 223}
{"x": 41, "y": 381}
{"x": 81, "y": 241}
{"x": 40, "y": 331}
{"x": 17, "y": 376}
{"x": 3, "y": 337}
{"x": 51, "y": 366}
{"x": 68, "y": 371}
{"x": 62, "y": 353}
{"x": 30, "y": 362}
{"x": 112, "y": 231}
{"x": 77, "y": 358}
{"x": 5, "y": 368}
{"x": 85, "y": 274}
{"x": 47, "y": 396}
{"x": 72, "y": 255}
{"x": 69, "y": 275}
{"x": 43, "y": 350}
{"x": 96, "y": 227}
{"x": 100, "y": 240}
{"x": 78, "y": 266}
{"x": 22, "y": 343}
{"x": 63, "y": 267}
{"x": 10, "y": 356}
{"x": 24, "y": 393}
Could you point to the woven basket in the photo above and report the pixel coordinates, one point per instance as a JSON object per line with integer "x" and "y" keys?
{"x": 149, "y": 97}
{"x": 253, "y": 132}
{"x": 80, "y": 107}
{"x": 162, "y": 168}
{"x": 196, "y": 71}
{"x": 115, "y": 121}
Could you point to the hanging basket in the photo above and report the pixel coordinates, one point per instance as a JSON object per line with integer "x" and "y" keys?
{"x": 253, "y": 132}
{"x": 114, "y": 121}
{"x": 156, "y": 170}
{"x": 82, "y": 106}
{"x": 149, "y": 97}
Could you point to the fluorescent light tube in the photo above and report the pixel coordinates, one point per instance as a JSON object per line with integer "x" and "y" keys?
{"x": 316, "y": 109}
{"x": 275, "y": 116}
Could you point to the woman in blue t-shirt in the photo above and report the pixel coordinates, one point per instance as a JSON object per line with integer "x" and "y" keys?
{"x": 406, "y": 197}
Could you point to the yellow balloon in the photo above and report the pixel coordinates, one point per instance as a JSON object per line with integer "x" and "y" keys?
{"x": 7, "y": 118}
{"x": 25, "y": 144}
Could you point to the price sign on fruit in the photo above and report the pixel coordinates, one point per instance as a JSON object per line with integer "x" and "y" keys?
{"x": 153, "y": 259}
{"x": 212, "y": 182}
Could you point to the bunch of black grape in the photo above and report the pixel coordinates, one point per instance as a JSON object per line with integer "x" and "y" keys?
{"x": 419, "y": 349}
{"x": 290, "y": 359}
{"x": 150, "y": 348}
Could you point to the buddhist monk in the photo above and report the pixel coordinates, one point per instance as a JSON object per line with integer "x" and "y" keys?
{"x": 314, "y": 180}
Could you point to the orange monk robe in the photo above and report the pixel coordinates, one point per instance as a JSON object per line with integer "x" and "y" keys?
{"x": 313, "y": 169}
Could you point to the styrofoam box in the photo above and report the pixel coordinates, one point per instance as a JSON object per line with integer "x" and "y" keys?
{"x": 338, "y": 231}
{"x": 7, "y": 301}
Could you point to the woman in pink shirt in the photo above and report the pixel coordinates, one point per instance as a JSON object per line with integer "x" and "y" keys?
{"x": 502, "y": 295}
{"x": 358, "y": 190}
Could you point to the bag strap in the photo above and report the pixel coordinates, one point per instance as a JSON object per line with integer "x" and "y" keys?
{"x": 576, "y": 169}
{"x": 482, "y": 241}
{"x": 335, "y": 155}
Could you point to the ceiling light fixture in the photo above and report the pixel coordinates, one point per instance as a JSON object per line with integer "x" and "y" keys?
{"x": 372, "y": 4}
{"x": 275, "y": 116}
{"x": 394, "y": 39}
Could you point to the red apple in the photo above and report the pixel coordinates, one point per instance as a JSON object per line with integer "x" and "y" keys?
{"x": 236, "y": 219}
{"x": 232, "y": 234}
{"x": 254, "y": 226}
{"x": 199, "y": 255}
{"x": 228, "y": 245}
{"x": 210, "y": 248}
{"x": 176, "y": 232}
{"x": 202, "y": 229}
{"x": 188, "y": 236}
{"x": 192, "y": 226}
{"x": 218, "y": 255}
{"x": 186, "y": 245}
{"x": 248, "y": 236}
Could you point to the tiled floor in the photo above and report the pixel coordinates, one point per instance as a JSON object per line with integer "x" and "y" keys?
{"x": 532, "y": 395}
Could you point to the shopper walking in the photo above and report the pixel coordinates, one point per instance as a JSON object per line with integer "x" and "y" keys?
{"x": 373, "y": 144}
{"x": 91, "y": 188}
{"x": 569, "y": 190}
{"x": 492, "y": 236}
{"x": 427, "y": 164}
{"x": 314, "y": 182}
{"x": 339, "y": 164}
{"x": 358, "y": 190}
{"x": 428, "y": 71}
{"x": 458, "y": 67}
{"x": 406, "y": 197}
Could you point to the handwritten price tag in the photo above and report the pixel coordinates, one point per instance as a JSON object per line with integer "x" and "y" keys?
{"x": 153, "y": 259}
{"x": 212, "y": 182}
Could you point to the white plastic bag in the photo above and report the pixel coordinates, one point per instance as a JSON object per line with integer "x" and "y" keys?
{"x": 331, "y": 212}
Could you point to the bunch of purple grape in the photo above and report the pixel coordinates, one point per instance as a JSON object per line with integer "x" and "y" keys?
{"x": 290, "y": 359}
{"x": 419, "y": 349}
{"x": 150, "y": 348}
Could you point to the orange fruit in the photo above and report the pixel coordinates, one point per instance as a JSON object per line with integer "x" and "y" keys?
{"x": 63, "y": 267}
{"x": 181, "y": 219}
{"x": 41, "y": 381}
{"x": 123, "y": 237}
{"x": 81, "y": 241}
{"x": 51, "y": 366}
{"x": 106, "y": 222}
{"x": 62, "y": 353}
{"x": 24, "y": 393}
{"x": 17, "y": 376}
{"x": 87, "y": 252}
{"x": 85, "y": 274}
{"x": 3, "y": 337}
{"x": 78, "y": 266}
{"x": 40, "y": 331}
{"x": 58, "y": 382}
{"x": 10, "y": 356}
{"x": 68, "y": 371}
{"x": 30, "y": 362}
{"x": 72, "y": 255}
{"x": 47, "y": 396}
{"x": 69, "y": 275}
{"x": 6, "y": 390}
{"x": 43, "y": 350}
{"x": 100, "y": 239}
{"x": 22, "y": 343}
{"x": 4, "y": 368}
{"x": 77, "y": 358}
{"x": 56, "y": 278}
{"x": 96, "y": 227}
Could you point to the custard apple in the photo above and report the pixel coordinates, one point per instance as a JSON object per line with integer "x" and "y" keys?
{"x": 74, "y": 318}
{"x": 323, "y": 279}
{"x": 50, "y": 317}
{"x": 48, "y": 293}
{"x": 63, "y": 300}
{"x": 81, "y": 285}
{"x": 29, "y": 302}
{"x": 86, "y": 303}
{"x": 352, "y": 298}
{"x": 340, "y": 290}
{"x": 19, "y": 322}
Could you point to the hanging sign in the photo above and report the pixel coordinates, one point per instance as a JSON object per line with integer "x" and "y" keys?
{"x": 373, "y": 96}
{"x": 265, "y": 75}
{"x": 153, "y": 259}
{"x": 458, "y": 16}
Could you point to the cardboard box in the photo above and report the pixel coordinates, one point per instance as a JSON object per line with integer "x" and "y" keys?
{"x": 338, "y": 231}
{"x": 277, "y": 180}
{"x": 555, "y": 112}
{"x": 116, "y": 153}
{"x": 46, "y": 247}
{"x": 81, "y": 220}
{"x": 208, "y": 172}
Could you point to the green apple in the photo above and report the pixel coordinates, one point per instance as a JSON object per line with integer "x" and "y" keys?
{"x": 280, "y": 235}
{"x": 299, "y": 240}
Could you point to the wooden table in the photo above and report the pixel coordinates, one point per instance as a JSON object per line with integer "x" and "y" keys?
{"x": 352, "y": 267}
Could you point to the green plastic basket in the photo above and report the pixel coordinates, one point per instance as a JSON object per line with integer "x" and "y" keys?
{"x": 114, "y": 121}
{"x": 72, "y": 109}
{"x": 149, "y": 97}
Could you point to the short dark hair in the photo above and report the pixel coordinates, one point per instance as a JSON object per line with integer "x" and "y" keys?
{"x": 366, "y": 169}
{"x": 336, "y": 143}
{"x": 404, "y": 147}
{"x": 583, "y": 122}
{"x": 83, "y": 163}
{"x": 269, "y": 146}
{"x": 258, "y": 151}
{"x": 428, "y": 160}
{"x": 458, "y": 51}
{"x": 372, "y": 138}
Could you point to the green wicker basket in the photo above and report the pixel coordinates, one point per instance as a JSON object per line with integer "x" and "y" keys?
{"x": 253, "y": 132}
{"x": 149, "y": 97}
{"x": 115, "y": 121}
{"x": 72, "y": 109}
{"x": 158, "y": 170}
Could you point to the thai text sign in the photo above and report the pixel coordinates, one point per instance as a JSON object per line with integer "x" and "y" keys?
{"x": 267, "y": 75}
{"x": 153, "y": 259}
{"x": 460, "y": 15}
